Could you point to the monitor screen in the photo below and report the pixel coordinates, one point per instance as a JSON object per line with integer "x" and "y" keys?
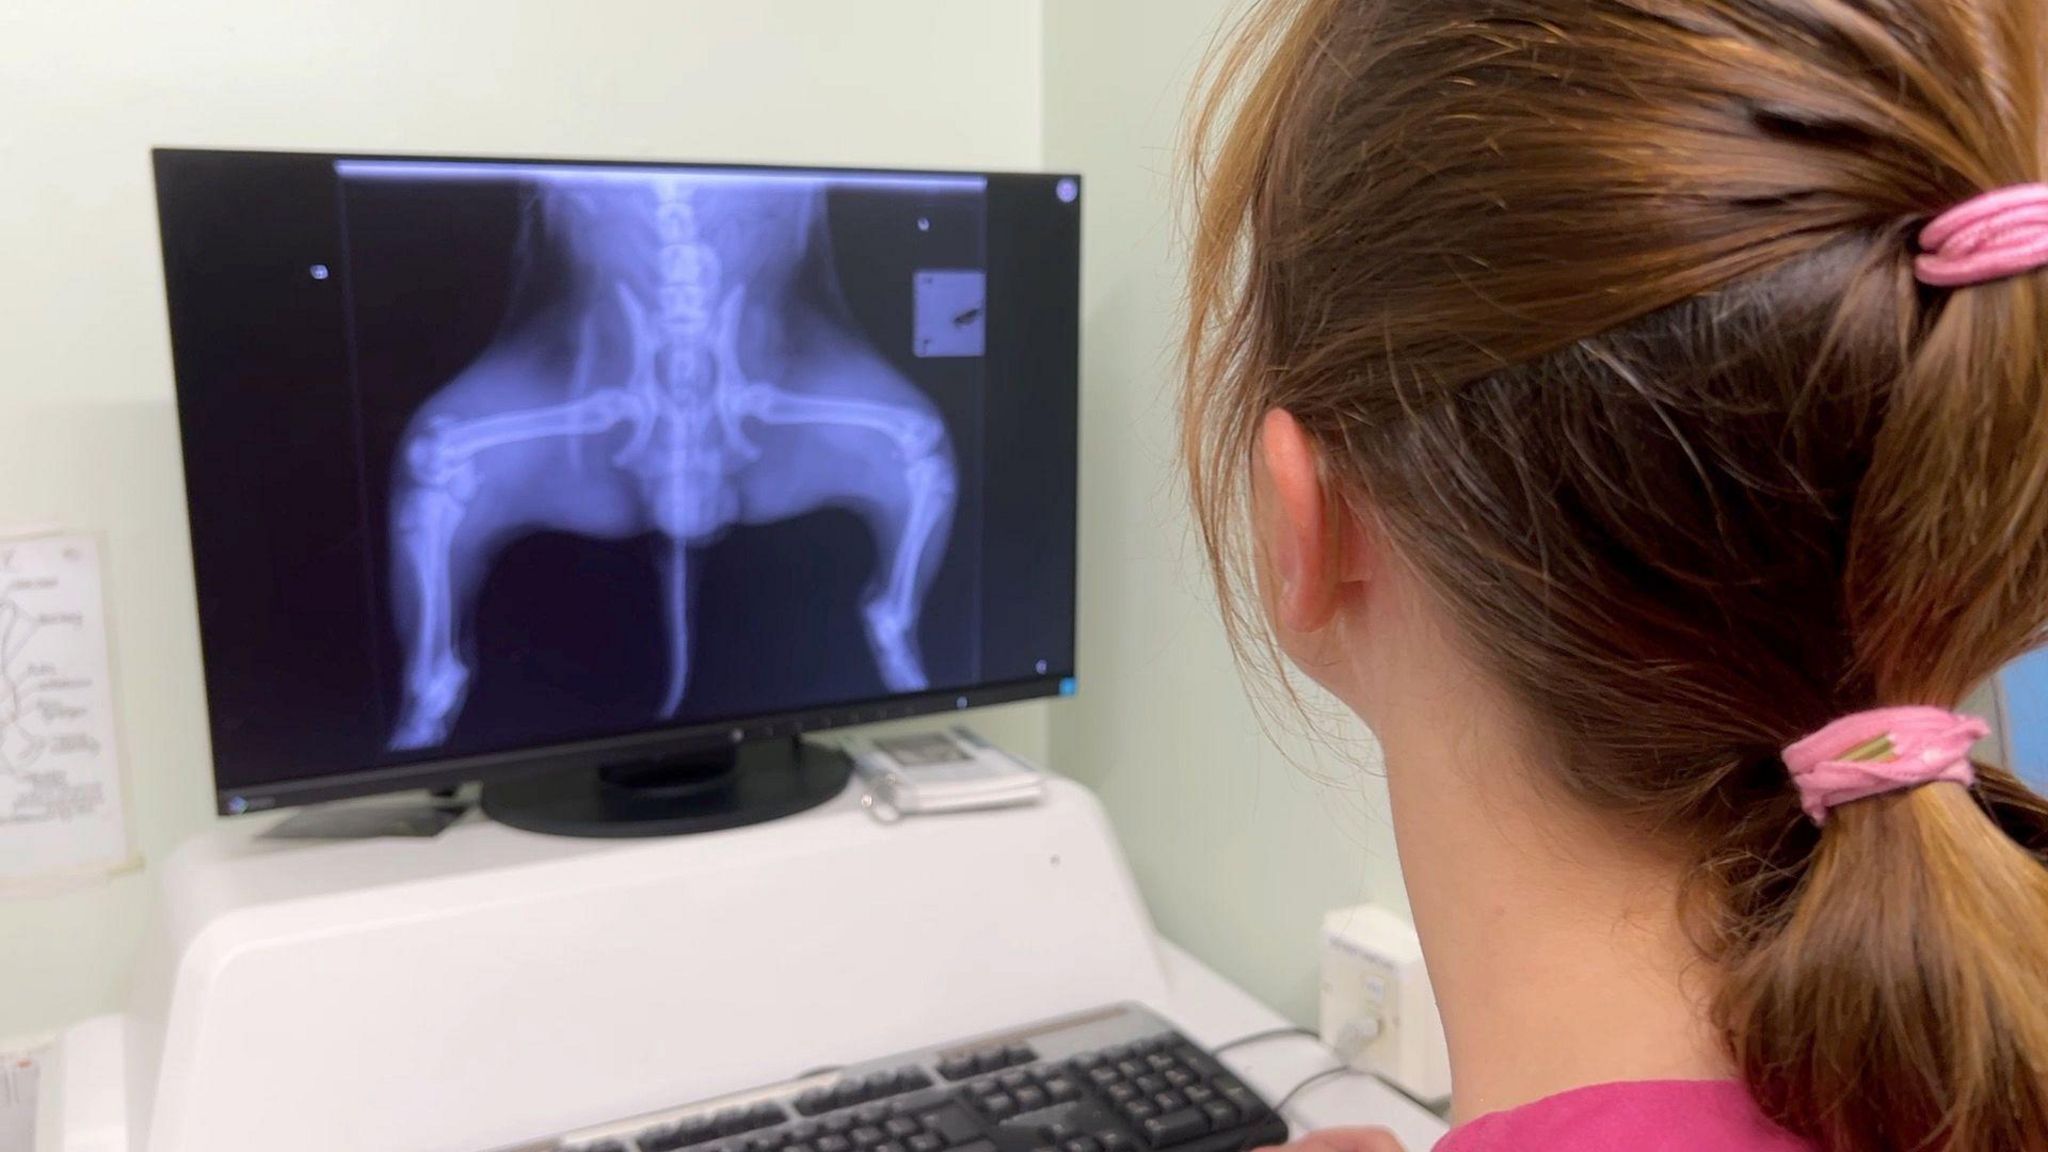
{"x": 2022, "y": 688}
{"x": 495, "y": 462}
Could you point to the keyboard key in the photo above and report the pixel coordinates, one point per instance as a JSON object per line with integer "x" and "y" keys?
{"x": 890, "y": 1146}
{"x": 1030, "y": 1099}
{"x": 912, "y": 1079}
{"x": 800, "y": 1146}
{"x": 1120, "y": 1092}
{"x": 814, "y": 1101}
{"x": 1141, "y": 1110}
{"x": 1018, "y": 1054}
{"x": 919, "y": 1103}
{"x": 730, "y": 1122}
{"x": 1160, "y": 1061}
{"x": 1220, "y": 1114}
{"x": 766, "y": 1116}
{"x": 1174, "y": 1127}
{"x": 1061, "y": 1089}
{"x": 1130, "y": 1067}
{"x": 1169, "y": 1101}
{"x": 978, "y": 1146}
{"x": 1179, "y": 1077}
{"x": 866, "y": 1137}
{"x": 1059, "y": 1132}
{"x": 803, "y": 1132}
{"x": 873, "y": 1115}
{"x": 1150, "y": 1085}
{"x": 832, "y": 1142}
{"x": 1241, "y": 1098}
{"x": 659, "y": 1140}
{"x": 992, "y": 1060}
{"x": 957, "y": 1067}
{"x": 1014, "y": 1079}
{"x": 1117, "y": 1142}
{"x": 952, "y": 1124}
{"x": 926, "y": 1142}
{"x": 999, "y": 1107}
{"x": 1082, "y": 1144}
{"x": 1104, "y": 1075}
{"x": 1088, "y": 1060}
{"x": 836, "y": 1125}
{"x": 847, "y": 1093}
{"x": 901, "y": 1126}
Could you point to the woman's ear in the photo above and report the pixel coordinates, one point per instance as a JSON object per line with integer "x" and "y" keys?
{"x": 1305, "y": 556}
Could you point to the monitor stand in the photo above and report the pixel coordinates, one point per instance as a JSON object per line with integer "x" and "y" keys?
{"x": 672, "y": 795}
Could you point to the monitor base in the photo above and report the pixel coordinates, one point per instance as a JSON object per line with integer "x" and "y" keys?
{"x": 727, "y": 788}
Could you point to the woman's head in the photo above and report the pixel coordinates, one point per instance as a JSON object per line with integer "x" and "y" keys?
{"x": 1602, "y": 315}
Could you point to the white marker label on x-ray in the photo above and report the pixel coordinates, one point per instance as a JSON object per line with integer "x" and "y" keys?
{"x": 60, "y": 780}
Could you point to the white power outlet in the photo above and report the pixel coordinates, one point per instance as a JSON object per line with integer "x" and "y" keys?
{"x": 1377, "y": 1009}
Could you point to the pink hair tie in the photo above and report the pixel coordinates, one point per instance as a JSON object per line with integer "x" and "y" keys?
{"x": 1987, "y": 237}
{"x": 1883, "y": 750}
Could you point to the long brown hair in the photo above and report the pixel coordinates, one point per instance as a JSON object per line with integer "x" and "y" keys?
{"x": 1605, "y": 310}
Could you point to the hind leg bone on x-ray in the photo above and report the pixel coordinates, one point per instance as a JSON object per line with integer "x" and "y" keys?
{"x": 442, "y": 461}
{"x": 890, "y": 614}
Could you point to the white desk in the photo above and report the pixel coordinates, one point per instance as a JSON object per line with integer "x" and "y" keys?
{"x": 491, "y": 985}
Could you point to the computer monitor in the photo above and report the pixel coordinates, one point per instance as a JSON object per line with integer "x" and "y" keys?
{"x": 601, "y": 483}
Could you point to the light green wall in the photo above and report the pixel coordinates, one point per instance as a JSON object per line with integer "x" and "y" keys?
{"x": 87, "y": 435}
{"x": 1238, "y": 849}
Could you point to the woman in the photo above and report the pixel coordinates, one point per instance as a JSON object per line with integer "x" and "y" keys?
{"x": 1640, "y": 413}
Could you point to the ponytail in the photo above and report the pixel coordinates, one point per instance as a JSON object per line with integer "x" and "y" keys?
{"x": 1899, "y": 997}
{"x": 1900, "y": 1003}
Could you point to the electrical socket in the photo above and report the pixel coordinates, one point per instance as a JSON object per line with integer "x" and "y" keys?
{"x": 1378, "y": 1012}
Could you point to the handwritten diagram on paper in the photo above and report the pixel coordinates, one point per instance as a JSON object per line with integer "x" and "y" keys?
{"x": 60, "y": 781}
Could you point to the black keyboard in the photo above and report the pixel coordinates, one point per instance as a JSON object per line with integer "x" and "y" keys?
{"x": 1114, "y": 1080}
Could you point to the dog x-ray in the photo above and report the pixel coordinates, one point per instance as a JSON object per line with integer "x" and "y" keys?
{"x": 676, "y": 357}
{"x": 505, "y": 461}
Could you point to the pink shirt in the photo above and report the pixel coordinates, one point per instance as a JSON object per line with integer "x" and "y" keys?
{"x": 1640, "y": 1116}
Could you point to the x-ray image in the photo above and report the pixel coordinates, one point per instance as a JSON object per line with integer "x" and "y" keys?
{"x": 720, "y": 415}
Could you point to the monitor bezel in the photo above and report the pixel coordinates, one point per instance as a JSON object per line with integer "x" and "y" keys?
{"x": 680, "y": 740}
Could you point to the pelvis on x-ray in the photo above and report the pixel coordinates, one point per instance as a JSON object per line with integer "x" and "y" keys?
{"x": 676, "y": 358}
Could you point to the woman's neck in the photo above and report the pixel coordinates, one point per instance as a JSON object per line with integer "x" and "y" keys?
{"x": 1554, "y": 944}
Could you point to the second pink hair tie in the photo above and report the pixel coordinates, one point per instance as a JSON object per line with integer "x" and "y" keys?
{"x": 1988, "y": 237}
{"x": 1882, "y": 750}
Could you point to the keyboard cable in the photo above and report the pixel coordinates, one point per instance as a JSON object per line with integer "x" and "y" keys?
{"x": 1263, "y": 1036}
{"x": 1315, "y": 1078}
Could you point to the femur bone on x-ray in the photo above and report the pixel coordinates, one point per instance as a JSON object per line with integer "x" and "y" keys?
{"x": 676, "y": 358}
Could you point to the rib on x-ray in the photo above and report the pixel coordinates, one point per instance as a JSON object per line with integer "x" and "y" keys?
{"x": 676, "y": 358}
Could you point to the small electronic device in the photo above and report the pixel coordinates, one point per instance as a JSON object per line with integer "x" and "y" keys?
{"x": 1378, "y": 1011}
{"x": 928, "y": 772}
{"x": 1118, "y": 1079}
{"x": 603, "y": 483}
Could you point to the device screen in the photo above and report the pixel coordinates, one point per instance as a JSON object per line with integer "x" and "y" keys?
{"x": 493, "y": 456}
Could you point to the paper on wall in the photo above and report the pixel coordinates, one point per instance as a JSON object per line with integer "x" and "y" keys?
{"x": 61, "y": 804}
{"x": 20, "y": 1073}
